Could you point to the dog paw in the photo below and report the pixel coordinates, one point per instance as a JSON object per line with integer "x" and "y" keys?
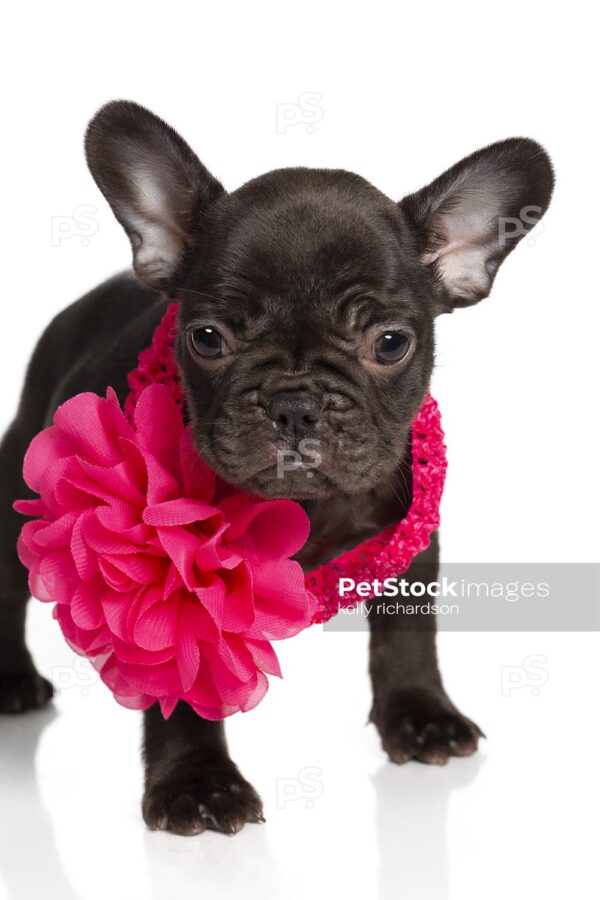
{"x": 423, "y": 725}
{"x": 215, "y": 797}
{"x": 22, "y": 691}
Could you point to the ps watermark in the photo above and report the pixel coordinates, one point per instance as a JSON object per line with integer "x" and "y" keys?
{"x": 80, "y": 676}
{"x": 530, "y": 676}
{"x": 528, "y": 222}
{"x": 305, "y": 111}
{"x": 304, "y": 459}
{"x": 307, "y": 785}
{"x": 82, "y": 224}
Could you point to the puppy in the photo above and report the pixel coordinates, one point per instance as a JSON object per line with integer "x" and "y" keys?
{"x": 307, "y": 308}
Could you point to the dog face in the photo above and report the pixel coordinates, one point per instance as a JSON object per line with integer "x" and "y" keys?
{"x": 306, "y": 335}
{"x": 308, "y": 297}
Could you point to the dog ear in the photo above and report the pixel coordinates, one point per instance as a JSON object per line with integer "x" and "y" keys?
{"x": 157, "y": 187}
{"x": 470, "y": 218}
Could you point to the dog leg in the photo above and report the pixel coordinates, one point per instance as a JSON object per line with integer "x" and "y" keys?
{"x": 411, "y": 710}
{"x": 191, "y": 782}
{"x": 21, "y": 688}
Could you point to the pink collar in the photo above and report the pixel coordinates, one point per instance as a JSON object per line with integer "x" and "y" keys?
{"x": 385, "y": 555}
{"x": 170, "y": 582}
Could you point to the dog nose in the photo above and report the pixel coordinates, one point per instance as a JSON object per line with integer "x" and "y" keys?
{"x": 293, "y": 413}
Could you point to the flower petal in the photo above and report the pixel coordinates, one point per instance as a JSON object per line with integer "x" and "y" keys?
{"x": 282, "y": 604}
{"x": 46, "y": 448}
{"x": 187, "y": 655}
{"x": 264, "y": 656}
{"x": 167, "y": 706}
{"x": 86, "y": 608}
{"x": 180, "y": 512}
{"x": 83, "y": 420}
{"x": 274, "y": 529}
{"x": 29, "y": 507}
{"x": 158, "y": 423}
{"x": 157, "y": 627}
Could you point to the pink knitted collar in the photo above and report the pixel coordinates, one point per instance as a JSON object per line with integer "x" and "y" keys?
{"x": 172, "y": 583}
{"x": 388, "y": 553}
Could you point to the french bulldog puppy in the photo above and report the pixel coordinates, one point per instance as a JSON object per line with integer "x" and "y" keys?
{"x": 307, "y": 309}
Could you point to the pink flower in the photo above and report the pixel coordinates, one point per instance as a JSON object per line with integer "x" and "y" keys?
{"x": 172, "y": 584}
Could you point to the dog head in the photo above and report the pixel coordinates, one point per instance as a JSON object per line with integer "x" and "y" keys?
{"x": 307, "y": 297}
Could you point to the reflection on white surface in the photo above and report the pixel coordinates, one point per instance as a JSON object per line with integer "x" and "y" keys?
{"x": 410, "y": 823}
{"x": 25, "y": 825}
{"x": 413, "y": 846}
{"x": 178, "y": 868}
{"x": 514, "y": 821}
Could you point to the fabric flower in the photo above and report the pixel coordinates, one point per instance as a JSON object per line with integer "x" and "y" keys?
{"x": 170, "y": 583}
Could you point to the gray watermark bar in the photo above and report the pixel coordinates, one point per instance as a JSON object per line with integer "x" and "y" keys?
{"x": 476, "y": 597}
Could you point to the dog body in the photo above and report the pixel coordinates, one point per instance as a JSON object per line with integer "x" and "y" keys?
{"x": 306, "y": 328}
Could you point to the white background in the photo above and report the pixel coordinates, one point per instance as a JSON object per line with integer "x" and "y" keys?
{"x": 402, "y": 94}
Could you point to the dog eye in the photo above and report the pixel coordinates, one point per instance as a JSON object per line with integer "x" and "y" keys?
{"x": 208, "y": 343}
{"x": 391, "y": 347}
